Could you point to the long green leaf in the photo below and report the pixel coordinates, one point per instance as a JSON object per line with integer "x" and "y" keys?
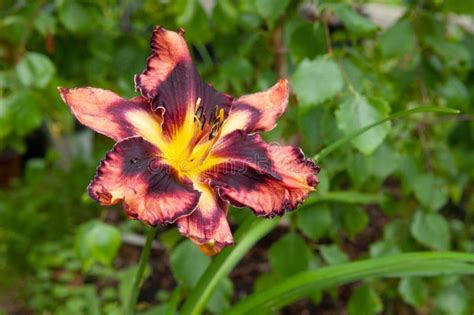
{"x": 422, "y": 109}
{"x": 174, "y": 300}
{"x": 300, "y": 285}
{"x": 246, "y": 236}
{"x": 349, "y": 197}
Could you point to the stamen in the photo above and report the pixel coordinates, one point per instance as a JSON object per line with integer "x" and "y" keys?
{"x": 198, "y": 114}
{"x": 217, "y": 122}
{"x": 219, "y": 117}
{"x": 213, "y": 133}
{"x": 199, "y": 110}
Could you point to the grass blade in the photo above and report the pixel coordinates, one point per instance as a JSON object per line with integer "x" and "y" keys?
{"x": 174, "y": 301}
{"x": 409, "y": 264}
{"x": 347, "y": 197}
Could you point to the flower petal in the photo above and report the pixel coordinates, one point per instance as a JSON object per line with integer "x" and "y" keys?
{"x": 269, "y": 179}
{"x": 258, "y": 111}
{"x": 150, "y": 190}
{"x": 208, "y": 226}
{"x": 109, "y": 114}
{"x": 171, "y": 81}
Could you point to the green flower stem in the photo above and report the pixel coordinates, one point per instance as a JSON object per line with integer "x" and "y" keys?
{"x": 422, "y": 109}
{"x": 129, "y": 308}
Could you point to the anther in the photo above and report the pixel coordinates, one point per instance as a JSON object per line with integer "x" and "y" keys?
{"x": 199, "y": 111}
{"x": 213, "y": 132}
{"x": 217, "y": 122}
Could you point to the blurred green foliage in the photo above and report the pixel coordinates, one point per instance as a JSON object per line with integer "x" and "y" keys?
{"x": 56, "y": 250}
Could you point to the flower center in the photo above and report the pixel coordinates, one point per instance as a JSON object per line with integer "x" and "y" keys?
{"x": 189, "y": 149}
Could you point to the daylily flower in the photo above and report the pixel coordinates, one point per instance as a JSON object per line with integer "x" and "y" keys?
{"x": 185, "y": 151}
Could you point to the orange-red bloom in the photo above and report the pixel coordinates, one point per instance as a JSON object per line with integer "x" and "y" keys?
{"x": 185, "y": 151}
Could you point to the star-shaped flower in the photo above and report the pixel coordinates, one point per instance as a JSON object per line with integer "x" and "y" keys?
{"x": 185, "y": 151}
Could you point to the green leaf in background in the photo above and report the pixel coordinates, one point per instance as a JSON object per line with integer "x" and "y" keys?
{"x": 384, "y": 248}
{"x": 314, "y": 221}
{"x": 324, "y": 181}
{"x": 431, "y": 230}
{"x": 289, "y": 255}
{"x": 24, "y": 111}
{"x": 192, "y": 17}
{"x": 169, "y": 238}
{"x": 358, "y": 78}
{"x": 270, "y": 9}
{"x": 7, "y": 78}
{"x": 20, "y": 114}
{"x": 6, "y": 124}
{"x": 409, "y": 169}
{"x": 188, "y": 263}
{"x": 97, "y": 241}
{"x": 413, "y": 291}
{"x": 225, "y": 15}
{"x": 307, "y": 41}
{"x": 92, "y": 298}
{"x": 45, "y": 23}
{"x": 357, "y": 165}
{"x": 315, "y": 81}
{"x": 317, "y": 126}
{"x": 311, "y": 129}
{"x": 333, "y": 255}
{"x": 453, "y": 299}
{"x": 35, "y": 69}
{"x": 265, "y": 281}
{"x": 220, "y": 300}
{"x": 12, "y": 27}
{"x": 364, "y": 301}
{"x": 455, "y": 92}
{"x": 76, "y": 17}
{"x": 383, "y": 162}
{"x": 458, "y": 6}
{"x": 454, "y": 54}
{"x": 357, "y": 112}
{"x": 398, "y": 40}
{"x": 431, "y": 191}
{"x": 354, "y": 22}
{"x": 126, "y": 278}
{"x": 398, "y": 232}
{"x": 239, "y": 69}
{"x": 354, "y": 220}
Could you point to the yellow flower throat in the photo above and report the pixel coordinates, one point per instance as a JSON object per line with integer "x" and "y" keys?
{"x": 188, "y": 148}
